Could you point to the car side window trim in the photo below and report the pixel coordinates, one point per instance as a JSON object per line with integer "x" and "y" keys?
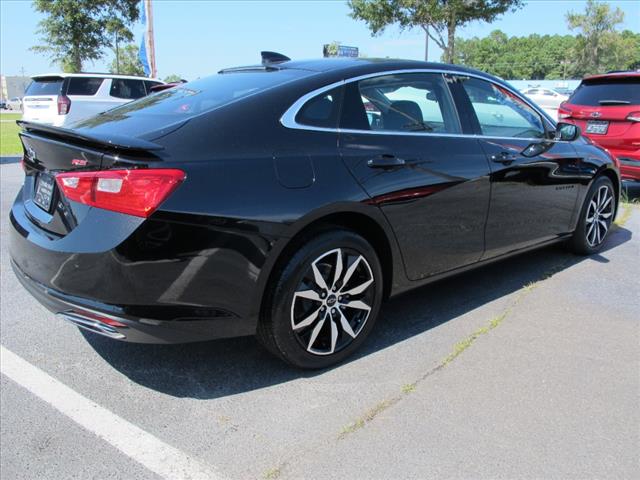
{"x": 288, "y": 119}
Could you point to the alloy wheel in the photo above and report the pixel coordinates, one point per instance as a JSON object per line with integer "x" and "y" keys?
{"x": 333, "y": 301}
{"x": 599, "y": 216}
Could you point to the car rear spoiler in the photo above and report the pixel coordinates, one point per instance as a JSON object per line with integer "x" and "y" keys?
{"x": 116, "y": 143}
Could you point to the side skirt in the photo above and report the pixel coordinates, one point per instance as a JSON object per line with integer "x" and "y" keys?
{"x": 440, "y": 276}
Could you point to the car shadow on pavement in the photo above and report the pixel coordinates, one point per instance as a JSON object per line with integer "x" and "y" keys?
{"x": 226, "y": 367}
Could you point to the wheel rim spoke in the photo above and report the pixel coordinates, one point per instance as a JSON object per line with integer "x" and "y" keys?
{"x": 606, "y": 203}
{"x": 359, "y": 304}
{"x": 334, "y": 335}
{"x": 591, "y": 234}
{"x": 307, "y": 321}
{"x": 346, "y": 326}
{"x": 338, "y": 269}
{"x": 359, "y": 289}
{"x": 606, "y": 215}
{"x": 351, "y": 270}
{"x": 601, "y": 192}
{"x": 309, "y": 295}
{"x": 316, "y": 332}
{"x": 318, "y": 278}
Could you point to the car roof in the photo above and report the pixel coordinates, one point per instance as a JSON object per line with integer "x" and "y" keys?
{"x": 372, "y": 65}
{"x": 629, "y": 74}
{"x": 93, "y": 75}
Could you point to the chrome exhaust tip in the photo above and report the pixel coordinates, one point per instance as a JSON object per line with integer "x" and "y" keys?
{"x": 91, "y": 325}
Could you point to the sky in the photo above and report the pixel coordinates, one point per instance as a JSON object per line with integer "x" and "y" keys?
{"x": 196, "y": 38}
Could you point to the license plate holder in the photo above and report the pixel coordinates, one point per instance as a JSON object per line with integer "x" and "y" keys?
{"x": 43, "y": 194}
{"x": 598, "y": 127}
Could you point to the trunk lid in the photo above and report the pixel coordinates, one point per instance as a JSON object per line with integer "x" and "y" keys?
{"x": 49, "y": 151}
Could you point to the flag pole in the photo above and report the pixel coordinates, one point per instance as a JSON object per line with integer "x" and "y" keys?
{"x": 151, "y": 44}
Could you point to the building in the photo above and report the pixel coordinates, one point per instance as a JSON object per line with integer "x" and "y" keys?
{"x": 13, "y": 86}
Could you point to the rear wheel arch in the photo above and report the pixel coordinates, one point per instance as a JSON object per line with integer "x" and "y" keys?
{"x": 368, "y": 227}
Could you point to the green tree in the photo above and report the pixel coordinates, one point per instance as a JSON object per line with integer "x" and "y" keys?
{"x": 438, "y": 18}
{"x": 597, "y": 35}
{"x": 128, "y": 62}
{"x": 533, "y": 57}
{"x": 75, "y": 31}
{"x": 172, "y": 78}
{"x": 118, "y": 33}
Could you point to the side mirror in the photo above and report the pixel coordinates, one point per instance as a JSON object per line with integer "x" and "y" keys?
{"x": 567, "y": 132}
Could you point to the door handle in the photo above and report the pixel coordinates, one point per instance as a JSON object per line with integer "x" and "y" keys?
{"x": 505, "y": 158}
{"x": 386, "y": 161}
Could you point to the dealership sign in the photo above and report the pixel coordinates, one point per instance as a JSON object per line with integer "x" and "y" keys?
{"x": 342, "y": 51}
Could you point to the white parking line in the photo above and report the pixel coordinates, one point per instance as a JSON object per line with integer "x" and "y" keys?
{"x": 141, "y": 446}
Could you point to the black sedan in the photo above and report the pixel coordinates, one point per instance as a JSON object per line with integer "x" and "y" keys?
{"x": 289, "y": 199}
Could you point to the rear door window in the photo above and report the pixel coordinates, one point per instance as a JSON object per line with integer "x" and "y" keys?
{"x": 609, "y": 91}
{"x": 44, "y": 86}
{"x": 408, "y": 102}
{"x": 127, "y": 88}
{"x": 84, "y": 85}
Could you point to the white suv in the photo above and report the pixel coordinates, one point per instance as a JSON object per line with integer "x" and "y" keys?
{"x": 61, "y": 99}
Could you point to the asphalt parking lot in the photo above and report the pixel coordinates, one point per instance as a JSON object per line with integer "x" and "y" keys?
{"x": 529, "y": 368}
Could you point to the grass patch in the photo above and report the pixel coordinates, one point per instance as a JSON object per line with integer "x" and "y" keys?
{"x": 409, "y": 388}
{"x": 462, "y": 345}
{"x": 626, "y": 214}
{"x": 9, "y": 141}
{"x": 272, "y": 474}
{"x": 368, "y": 416}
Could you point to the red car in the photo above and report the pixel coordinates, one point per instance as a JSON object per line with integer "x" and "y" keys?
{"x": 607, "y": 110}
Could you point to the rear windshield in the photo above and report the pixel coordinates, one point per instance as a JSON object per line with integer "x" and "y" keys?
{"x": 44, "y": 86}
{"x": 190, "y": 99}
{"x": 603, "y": 92}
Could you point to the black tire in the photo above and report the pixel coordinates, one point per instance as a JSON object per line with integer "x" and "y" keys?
{"x": 287, "y": 305}
{"x": 585, "y": 240}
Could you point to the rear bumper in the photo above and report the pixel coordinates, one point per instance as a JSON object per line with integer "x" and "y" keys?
{"x": 629, "y": 168}
{"x": 113, "y": 321}
{"x": 168, "y": 280}
{"x": 629, "y": 161}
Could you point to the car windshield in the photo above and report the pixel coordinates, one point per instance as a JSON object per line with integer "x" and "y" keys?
{"x": 44, "y": 86}
{"x": 608, "y": 91}
{"x": 193, "y": 98}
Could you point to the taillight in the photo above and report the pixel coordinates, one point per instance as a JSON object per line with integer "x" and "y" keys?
{"x": 134, "y": 192}
{"x": 634, "y": 117}
{"x": 64, "y": 104}
{"x": 563, "y": 111}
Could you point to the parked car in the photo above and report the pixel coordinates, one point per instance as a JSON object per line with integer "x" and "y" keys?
{"x": 566, "y": 91}
{"x": 269, "y": 200}
{"x": 607, "y": 110}
{"x": 4, "y": 105}
{"x": 545, "y": 97}
{"x": 15, "y": 103}
{"x": 166, "y": 86}
{"x": 60, "y": 99}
